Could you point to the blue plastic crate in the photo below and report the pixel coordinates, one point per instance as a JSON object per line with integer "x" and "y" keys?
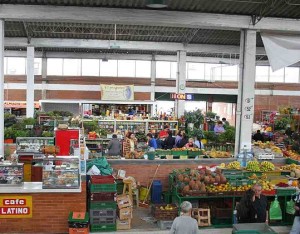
{"x": 156, "y": 192}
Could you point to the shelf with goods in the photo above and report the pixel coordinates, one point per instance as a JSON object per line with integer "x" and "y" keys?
{"x": 107, "y": 126}
{"x": 154, "y": 126}
{"x": 11, "y": 174}
{"x": 131, "y": 125}
{"x": 96, "y": 146}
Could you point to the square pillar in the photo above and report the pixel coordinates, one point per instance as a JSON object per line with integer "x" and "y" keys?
{"x": 246, "y": 91}
{"x": 30, "y": 83}
{"x": 1, "y": 88}
{"x": 180, "y": 82}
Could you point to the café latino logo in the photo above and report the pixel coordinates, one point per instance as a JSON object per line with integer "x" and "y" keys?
{"x": 15, "y": 207}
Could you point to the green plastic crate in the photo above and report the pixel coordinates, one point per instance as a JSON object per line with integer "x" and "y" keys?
{"x": 102, "y": 205}
{"x": 195, "y": 153}
{"x": 252, "y": 228}
{"x": 103, "y": 227}
{"x": 178, "y": 153}
{"x": 103, "y": 187}
{"x": 240, "y": 182}
{"x": 292, "y": 161}
{"x": 162, "y": 152}
{"x": 120, "y": 186}
{"x": 285, "y": 191}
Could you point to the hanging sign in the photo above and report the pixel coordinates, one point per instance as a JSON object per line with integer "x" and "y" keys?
{"x": 182, "y": 96}
{"x": 15, "y": 207}
{"x": 117, "y": 92}
{"x": 18, "y": 104}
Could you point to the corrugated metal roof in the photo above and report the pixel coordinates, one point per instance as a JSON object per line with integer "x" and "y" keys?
{"x": 271, "y": 8}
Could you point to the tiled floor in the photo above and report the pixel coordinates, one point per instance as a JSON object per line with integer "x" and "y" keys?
{"x": 143, "y": 223}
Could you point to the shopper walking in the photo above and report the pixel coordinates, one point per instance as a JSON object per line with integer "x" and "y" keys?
{"x": 114, "y": 146}
{"x": 185, "y": 224}
{"x": 260, "y": 204}
{"x": 296, "y": 225}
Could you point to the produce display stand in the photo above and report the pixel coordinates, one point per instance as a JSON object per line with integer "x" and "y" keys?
{"x": 222, "y": 204}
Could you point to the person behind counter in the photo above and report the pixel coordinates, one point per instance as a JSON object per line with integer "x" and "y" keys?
{"x": 114, "y": 146}
{"x": 183, "y": 141}
{"x": 296, "y": 224}
{"x": 151, "y": 141}
{"x": 178, "y": 136}
{"x": 164, "y": 133}
{"x": 169, "y": 142}
{"x": 191, "y": 144}
{"x": 159, "y": 142}
{"x": 219, "y": 128}
{"x": 245, "y": 209}
{"x": 260, "y": 205}
{"x": 198, "y": 142}
{"x": 258, "y": 136}
{"x": 130, "y": 143}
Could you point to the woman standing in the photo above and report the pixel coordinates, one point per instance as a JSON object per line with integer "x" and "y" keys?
{"x": 129, "y": 145}
{"x": 245, "y": 210}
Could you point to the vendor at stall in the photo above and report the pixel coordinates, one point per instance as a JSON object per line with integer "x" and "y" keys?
{"x": 129, "y": 145}
{"x": 114, "y": 146}
{"x": 191, "y": 144}
{"x": 218, "y": 129}
{"x": 164, "y": 133}
{"x": 151, "y": 141}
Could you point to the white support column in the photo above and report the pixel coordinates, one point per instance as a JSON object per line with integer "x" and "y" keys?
{"x": 246, "y": 90}
{"x": 153, "y": 76}
{"x": 1, "y": 88}
{"x": 44, "y": 76}
{"x": 30, "y": 83}
{"x": 180, "y": 82}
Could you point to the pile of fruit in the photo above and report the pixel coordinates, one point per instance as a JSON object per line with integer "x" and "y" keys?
{"x": 227, "y": 188}
{"x": 188, "y": 180}
{"x": 290, "y": 167}
{"x": 255, "y": 166}
{"x": 291, "y": 154}
{"x": 218, "y": 154}
{"x": 168, "y": 207}
{"x": 233, "y": 165}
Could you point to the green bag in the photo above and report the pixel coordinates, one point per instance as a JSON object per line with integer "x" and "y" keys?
{"x": 275, "y": 210}
{"x": 290, "y": 207}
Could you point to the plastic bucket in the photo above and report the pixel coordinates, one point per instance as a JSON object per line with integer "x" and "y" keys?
{"x": 151, "y": 155}
{"x": 143, "y": 192}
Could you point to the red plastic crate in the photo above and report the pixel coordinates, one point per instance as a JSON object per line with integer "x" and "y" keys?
{"x": 269, "y": 192}
{"x": 100, "y": 179}
{"x": 105, "y": 196}
{"x": 79, "y": 230}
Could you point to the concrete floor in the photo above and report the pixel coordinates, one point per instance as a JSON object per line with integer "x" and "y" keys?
{"x": 150, "y": 227}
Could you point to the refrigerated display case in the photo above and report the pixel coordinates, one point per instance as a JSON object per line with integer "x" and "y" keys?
{"x": 61, "y": 172}
{"x": 11, "y": 174}
{"x": 32, "y": 145}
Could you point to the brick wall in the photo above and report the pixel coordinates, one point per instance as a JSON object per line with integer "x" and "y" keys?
{"x": 50, "y": 213}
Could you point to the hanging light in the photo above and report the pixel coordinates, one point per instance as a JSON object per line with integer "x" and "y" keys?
{"x": 157, "y": 3}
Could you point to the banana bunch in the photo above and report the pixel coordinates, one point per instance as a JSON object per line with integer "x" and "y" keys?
{"x": 267, "y": 166}
{"x": 253, "y": 166}
{"x": 234, "y": 165}
{"x": 222, "y": 165}
{"x": 276, "y": 149}
{"x": 253, "y": 177}
{"x": 290, "y": 167}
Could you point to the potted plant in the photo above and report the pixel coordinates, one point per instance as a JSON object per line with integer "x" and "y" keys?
{"x": 9, "y": 135}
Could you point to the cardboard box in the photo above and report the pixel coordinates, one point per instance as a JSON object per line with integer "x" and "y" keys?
{"x": 124, "y": 201}
{"x": 123, "y": 224}
{"x": 125, "y": 213}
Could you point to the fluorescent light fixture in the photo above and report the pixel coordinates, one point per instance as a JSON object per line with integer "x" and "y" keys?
{"x": 104, "y": 59}
{"x": 157, "y": 4}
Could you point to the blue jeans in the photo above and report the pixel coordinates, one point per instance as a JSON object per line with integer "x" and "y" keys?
{"x": 296, "y": 226}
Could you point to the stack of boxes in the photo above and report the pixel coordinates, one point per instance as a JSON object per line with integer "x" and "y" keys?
{"x": 124, "y": 212}
{"x": 78, "y": 223}
{"x": 102, "y": 204}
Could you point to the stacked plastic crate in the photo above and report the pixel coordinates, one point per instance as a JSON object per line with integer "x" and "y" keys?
{"x": 102, "y": 204}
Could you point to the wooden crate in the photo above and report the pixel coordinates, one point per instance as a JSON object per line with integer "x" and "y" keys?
{"x": 123, "y": 224}
{"x": 124, "y": 201}
{"x": 125, "y": 213}
{"x": 164, "y": 214}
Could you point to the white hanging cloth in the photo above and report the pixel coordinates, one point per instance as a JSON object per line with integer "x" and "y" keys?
{"x": 282, "y": 49}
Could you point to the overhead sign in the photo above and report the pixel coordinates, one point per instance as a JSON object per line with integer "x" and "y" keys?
{"x": 182, "y": 96}
{"x": 18, "y": 104}
{"x": 15, "y": 207}
{"x": 117, "y": 92}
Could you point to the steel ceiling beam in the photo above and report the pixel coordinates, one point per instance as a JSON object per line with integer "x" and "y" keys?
{"x": 125, "y": 45}
{"x": 142, "y": 17}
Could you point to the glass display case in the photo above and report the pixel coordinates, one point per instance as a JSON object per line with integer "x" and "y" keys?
{"x": 11, "y": 174}
{"x": 32, "y": 144}
{"x": 61, "y": 173}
